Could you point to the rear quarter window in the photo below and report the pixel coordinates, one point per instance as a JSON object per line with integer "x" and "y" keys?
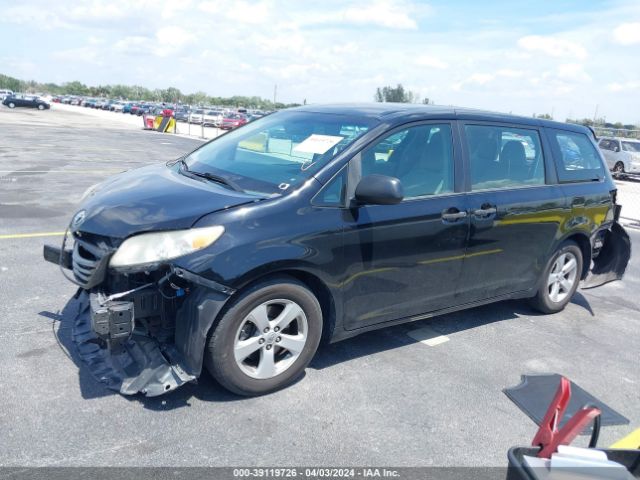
{"x": 576, "y": 157}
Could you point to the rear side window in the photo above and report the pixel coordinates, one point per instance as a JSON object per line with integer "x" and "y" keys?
{"x": 576, "y": 157}
{"x": 606, "y": 144}
{"x": 504, "y": 157}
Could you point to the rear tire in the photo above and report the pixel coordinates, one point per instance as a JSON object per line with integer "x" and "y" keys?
{"x": 266, "y": 339}
{"x": 618, "y": 170}
{"x": 560, "y": 279}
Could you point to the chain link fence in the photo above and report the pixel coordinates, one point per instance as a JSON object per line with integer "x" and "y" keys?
{"x": 616, "y": 132}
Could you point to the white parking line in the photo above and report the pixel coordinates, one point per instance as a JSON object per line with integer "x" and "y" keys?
{"x": 428, "y": 336}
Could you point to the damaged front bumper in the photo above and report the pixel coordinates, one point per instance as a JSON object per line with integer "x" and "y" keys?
{"x": 126, "y": 360}
{"x": 143, "y": 332}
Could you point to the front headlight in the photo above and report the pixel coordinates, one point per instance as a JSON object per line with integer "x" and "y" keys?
{"x": 160, "y": 246}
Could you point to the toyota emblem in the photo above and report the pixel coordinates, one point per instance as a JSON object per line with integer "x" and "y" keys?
{"x": 78, "y": 218}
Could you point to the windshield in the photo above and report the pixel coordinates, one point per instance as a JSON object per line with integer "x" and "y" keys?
{"x": 631, "y": 147}
{"x": 275, "y": 153}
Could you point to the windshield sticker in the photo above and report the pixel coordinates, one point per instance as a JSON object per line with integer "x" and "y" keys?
{"x": 317, "y": 144}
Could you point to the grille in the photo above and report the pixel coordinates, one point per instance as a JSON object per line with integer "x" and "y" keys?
{"x": 89, "y": 263}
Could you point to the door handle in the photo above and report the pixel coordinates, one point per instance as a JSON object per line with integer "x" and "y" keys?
{"x": 451, "y": 216}
{"x": 485, "y": 212}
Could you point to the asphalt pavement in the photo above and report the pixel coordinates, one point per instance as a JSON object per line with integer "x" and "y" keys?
{"x": 383, "y": 398}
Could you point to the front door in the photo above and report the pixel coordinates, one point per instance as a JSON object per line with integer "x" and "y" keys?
{"x": 405, "y": 259}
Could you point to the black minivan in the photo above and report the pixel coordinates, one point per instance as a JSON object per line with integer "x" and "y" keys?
{"x": 323, "y": 222}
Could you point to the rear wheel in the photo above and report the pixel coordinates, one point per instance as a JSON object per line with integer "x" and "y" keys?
{"x": 560, "y": 279}
{"x": 266, "y": 339}
{"x": 618, "y": 170}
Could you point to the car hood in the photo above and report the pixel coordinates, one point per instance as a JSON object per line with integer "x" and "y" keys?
{"x": 152, "y": 198}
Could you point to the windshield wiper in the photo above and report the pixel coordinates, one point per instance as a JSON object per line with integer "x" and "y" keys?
{"x": 218, "y": 179}
{"x": 209, "y": 176}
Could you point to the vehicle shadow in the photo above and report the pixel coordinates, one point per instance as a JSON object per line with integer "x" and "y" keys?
{"x": 208, "y": 390}
{"x": 396, "y": 336}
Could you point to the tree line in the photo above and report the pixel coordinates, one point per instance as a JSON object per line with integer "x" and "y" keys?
{"x": 137, "y": 92}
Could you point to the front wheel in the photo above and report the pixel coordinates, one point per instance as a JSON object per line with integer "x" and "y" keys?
{"x": 12, "y": 105}
{"x": 40, "y": 107}
{"x": 266, "y": 339}
{"x": 560, "y": 279}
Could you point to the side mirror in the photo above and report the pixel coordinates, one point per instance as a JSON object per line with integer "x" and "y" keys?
{"x": 379, "y": 190}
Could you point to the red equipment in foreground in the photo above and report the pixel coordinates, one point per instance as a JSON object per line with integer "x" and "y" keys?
{"x": 548, "y": 436}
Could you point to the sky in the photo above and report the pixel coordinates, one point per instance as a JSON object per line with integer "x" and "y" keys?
{"x": 569, "y": 58}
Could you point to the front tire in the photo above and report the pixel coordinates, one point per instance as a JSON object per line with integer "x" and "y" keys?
{"x": 12, "y": 105}
{"x": 266, "y": 339}
{"x": 560, "y": 279}
{"x": 40, "y": 107}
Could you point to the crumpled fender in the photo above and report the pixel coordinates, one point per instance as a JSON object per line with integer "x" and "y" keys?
{"x": 611, "y": 263}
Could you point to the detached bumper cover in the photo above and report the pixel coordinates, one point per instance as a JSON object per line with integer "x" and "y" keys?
{"x": 136, "y": 364}
{"x": 133, "y": 341}
{"x": 612, "y": 260}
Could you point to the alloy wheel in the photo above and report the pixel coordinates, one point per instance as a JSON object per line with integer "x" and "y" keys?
{"x": 562, "y": 277}
{"x": 270, "y": 338}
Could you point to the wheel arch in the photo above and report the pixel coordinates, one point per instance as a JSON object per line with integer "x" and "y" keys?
{"x": 583, "y": 241}
{"x": 313, "y": 282}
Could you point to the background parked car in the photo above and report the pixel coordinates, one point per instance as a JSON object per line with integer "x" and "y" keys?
{"x": 622, "y": 155}
{"x": 196, "y": 116}
{"x": 30, "y": 101}
{"x": 5, "y": 93}
{"x": 212, "y": 118}
{"x": 233, "y": 120}
{"x": 182, "y": 114}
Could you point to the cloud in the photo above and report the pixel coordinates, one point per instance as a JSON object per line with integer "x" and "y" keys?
{"x": 510, "y": 73}
{"x": 244, "y": 12}
{"x": 624, "y": 87}
{"x": 573, "y": 71}
{"x": 552, "y": 46}
{"x": 383, "y": 13}
{"x": 475, "y": 79}
{"x": 134, "y": 45}
{"x": 80, "y": 54}
{"x": 627, "y": 34}
{"x": 431, "y": 62}
{"x": 392, "y": 14}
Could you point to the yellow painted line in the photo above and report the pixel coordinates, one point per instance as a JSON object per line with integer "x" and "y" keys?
{"x": 30, "y": 235}
{"x": 631, "y": 441}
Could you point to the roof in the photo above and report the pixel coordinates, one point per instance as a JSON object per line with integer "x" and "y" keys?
{"x": 397, "y": 112}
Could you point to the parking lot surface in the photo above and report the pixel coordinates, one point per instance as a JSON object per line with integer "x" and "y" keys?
{"x": 384, "y": 398}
